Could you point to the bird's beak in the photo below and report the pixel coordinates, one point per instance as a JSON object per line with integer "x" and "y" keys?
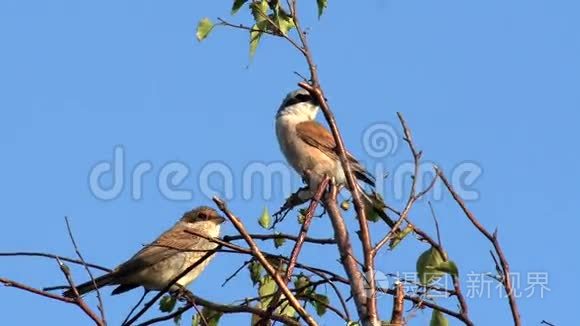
{"x": 220, "y": 219}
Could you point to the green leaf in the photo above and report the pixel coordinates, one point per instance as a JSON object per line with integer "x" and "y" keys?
{"x": 259, "y": 10}
{"x": 399, "y": 236}
{"x": 302, "y": 283}
{"x": 377, "y": 203}
{"x": 203, "y": 28}
{"x": 426, "y": 266}
{"x": 196, "y": 320}
{"x": 279, "y": 241}
{"x": 448, "y": 267}
{"x": 212, "y": 317}
{"x": 285, "y": 22}
{"x": 320, "y": 302}
{"x": 177, "y": 319}
{"x": 322, "y": 4}
{"x": 438, "y": 319}
{"x": 267, "y": 288}
{"x": 167, "y": 303}
{"x": 255, "y": 272}
{"x": 256, "y": 318}
{"x": 286, "y": 310}
{"x": 237, "y": 5}
{"x": 265, "y": 219}
{"x": 254, "y": 40}
{"x": 301, "y": 215}
{"x": 372, "y": 214}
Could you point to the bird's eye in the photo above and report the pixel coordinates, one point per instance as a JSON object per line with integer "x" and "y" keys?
{"x": 202, "y": 216}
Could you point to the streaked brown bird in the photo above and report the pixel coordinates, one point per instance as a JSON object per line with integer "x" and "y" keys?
{"x": 161, "y": 261}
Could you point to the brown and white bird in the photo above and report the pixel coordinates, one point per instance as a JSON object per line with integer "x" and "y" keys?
{"x": 311, "y": 150}
{"x": 161, "y": 261}
{"x": 308, "y": 146}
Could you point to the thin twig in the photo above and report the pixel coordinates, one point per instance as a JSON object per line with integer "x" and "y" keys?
{"x": 51, "y": 256}
{"x": 371, "y": 313}
{"x": 329, "y": 307}
{"x": 290, "y": 237}
{"x": 21, "y": 286}
{"x": 404, "y": 215}
{"x": 336, "y": 291}
{"x": 264, "y": 262}
{"x": 495, "y": 242}
{"x": 418, "y": 284}
{"x": 238, "y": 249}
{"x": 297, "y": 245}
{"x": 413, "y": 195}
{"x": 78, "y": 300}
{"x": 170, "y": 284}
{"x": 329, "y": 276}
{"x": 172, "y": 315}
{"x": 464, "y": 312}
{"x": 229, "y": 278}
{"x": 436, "y": 223}
{"x": 419, "y": 301}
{"x": 202, "y": 318}
{"x": 226, "y": 309}
{"x": 145, "y": 292}
{"x": 84, "y": 263}
{"x": 251, "y": 29}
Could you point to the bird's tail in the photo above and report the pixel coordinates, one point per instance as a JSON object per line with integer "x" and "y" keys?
{"x": 90, "y": 286}
{"x": 375, "y": 205}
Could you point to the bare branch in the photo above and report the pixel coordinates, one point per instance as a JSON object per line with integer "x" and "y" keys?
{"x": 495, "y": 242}
{"x": 436, "y": 223}
{"x": 413, "y": 197}
{"x": 419, "y": 301}
{"x": 398, "y": 305}
{"x": 238, "y": 249}
{"x": 173, "y": 282}
{"x": 52, "y": 256}
{"x": 267, "y": 266}
{"x": 10, "y": 283}
{"x": 297, "y": 246}
{"x": 290, "y": 237}
{"x": 78, "y": 252}
{"x": 77, "y": 298}
{"x": 135, "y": 307}
{"x": 346, "y": 254}
{"x": 226, "y": 309}
{"x": 235, "y": 273}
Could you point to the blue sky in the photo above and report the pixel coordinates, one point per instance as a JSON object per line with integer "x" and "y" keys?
{"x": 487, "y": 85}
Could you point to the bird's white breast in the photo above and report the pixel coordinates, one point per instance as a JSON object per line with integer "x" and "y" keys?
{"x": 303, "y": 156}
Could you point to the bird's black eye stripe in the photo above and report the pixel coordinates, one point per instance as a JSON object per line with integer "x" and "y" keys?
{"x": 298, "y": 99}
{"x": 303, "y": 97}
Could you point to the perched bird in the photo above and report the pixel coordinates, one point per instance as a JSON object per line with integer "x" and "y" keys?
{"x": 161, "y": 261}
{"x": 311, "y": 150}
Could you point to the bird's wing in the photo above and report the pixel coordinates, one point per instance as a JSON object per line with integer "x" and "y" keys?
{"x": 171, "y": 242}
{"x": 314, "y": 134}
